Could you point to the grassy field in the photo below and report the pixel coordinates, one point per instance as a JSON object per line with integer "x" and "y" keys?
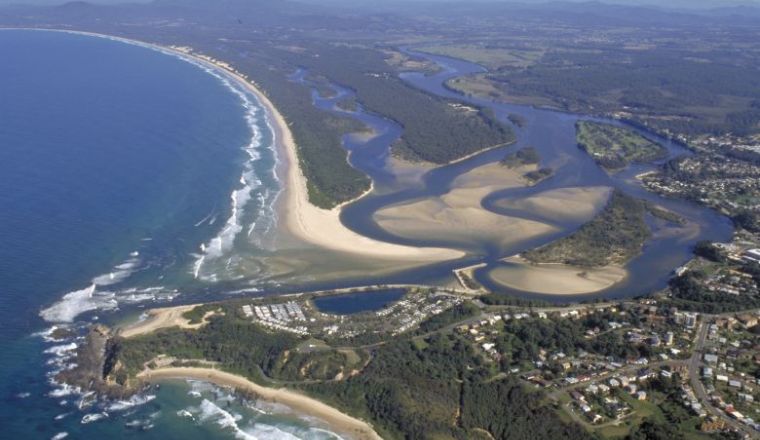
{"x": 615, "y": 147}
{"x": 487, "y": 56}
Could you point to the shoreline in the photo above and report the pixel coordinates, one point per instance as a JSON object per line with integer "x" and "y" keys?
{"x": 163, "y": 317}
{"x": 300, "y": 403}
{"x": 556, "y": 279}
{"x": 323, "y": 227}
{"x": 302, "y": 220}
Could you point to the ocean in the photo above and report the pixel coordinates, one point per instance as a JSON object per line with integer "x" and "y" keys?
{"x": 127, "y": 176}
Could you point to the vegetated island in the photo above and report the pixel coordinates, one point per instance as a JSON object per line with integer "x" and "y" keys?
{"x": 527, "y": 156}
{"x": 613, "y": 237}
{"x": 589, "y": 260}
{"x": 614, "y": 148}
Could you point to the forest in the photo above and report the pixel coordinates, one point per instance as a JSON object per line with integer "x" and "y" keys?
{"x": 669, "y": 89}
{"x": 435, "y": 130}
{"x": 613, "y": 237}
{"x": 614, "y": 147}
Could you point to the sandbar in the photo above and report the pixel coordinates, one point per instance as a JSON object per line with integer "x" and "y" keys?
{"x": 556, "y": 279}
{"x": 458, "y": 215}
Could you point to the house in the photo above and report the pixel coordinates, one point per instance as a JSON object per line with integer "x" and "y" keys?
{"x": 641, "y": 395}
{"x": 711, "y": 359}
{"x": 747, "y": 320}
{"x": 577, "y": 396}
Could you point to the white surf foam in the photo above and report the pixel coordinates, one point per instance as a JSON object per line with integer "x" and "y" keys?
{"x": 224, "y": 240}
{"x": 89, "y": 418}
{"x": 84, "y": 300}
{"x": 209, "y": 411}
{"x": 136, "y": 400}
{"x": 269, "y": 432}
{"x": 77, "y": 302}
{"x": 60, "y": 436}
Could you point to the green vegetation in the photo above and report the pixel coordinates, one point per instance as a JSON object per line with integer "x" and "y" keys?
{"x": 671, "y": 90}
{"x": 237, "y": 345}
{"x": 442, "y": 389}
{"x": 450, "y": 316}
{"x": 524, "y": 156}
{"x": 331, "y": 180}
{"x": 432, "y": 386}
{"x": 435, "y": 130}
{"x": 666, "y": 215}
{"x": 616, "y": 147}
{"x": 540, "y": 174}
{"x": 488, "y": 56}
{"x": 615, "y": 236}
{"x": 689, "y": 292}
{"x": 518, "y": 120}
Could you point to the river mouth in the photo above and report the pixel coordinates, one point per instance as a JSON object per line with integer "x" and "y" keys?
{"x": 475, "y": 205}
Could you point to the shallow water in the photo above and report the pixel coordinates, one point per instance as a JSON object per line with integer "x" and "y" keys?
{"x": 552, "y": 133}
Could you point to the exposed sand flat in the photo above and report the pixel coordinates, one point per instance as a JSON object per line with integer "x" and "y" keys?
{"x": 458, "y": 214}
{"x": 579, "y": 204}
{"x": 337, "y": 420}
{"x": 162, "y": 318}
{"x": 493, "y": 176}
{"x": 556, "y": 279}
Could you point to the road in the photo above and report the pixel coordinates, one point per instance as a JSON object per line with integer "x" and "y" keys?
{"x": 695, "y": 364}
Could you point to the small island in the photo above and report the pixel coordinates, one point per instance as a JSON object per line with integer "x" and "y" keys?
{"x": 612, "y": 238}
{"x": 527, "y": 156}
{"x": 614, "y": 148}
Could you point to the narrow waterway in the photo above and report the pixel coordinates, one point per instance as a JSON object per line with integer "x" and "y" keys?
{"x": 552, "y": 134}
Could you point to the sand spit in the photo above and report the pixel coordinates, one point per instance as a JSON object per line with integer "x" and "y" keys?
{"x": 162, "y": 318}
{"x": 556, "y": 279}
{"x": 337, "y": 420}
{"x": 322, "y": 227}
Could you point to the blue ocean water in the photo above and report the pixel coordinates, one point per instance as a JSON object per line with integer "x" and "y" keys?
{"x": 120, "y": 168}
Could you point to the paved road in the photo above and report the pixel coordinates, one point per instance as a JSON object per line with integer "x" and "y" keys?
{"x": 694, "y": 364}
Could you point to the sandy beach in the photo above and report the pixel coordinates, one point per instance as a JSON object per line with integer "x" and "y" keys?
{"x": 337, "y": 420}
{"x": 556, "y": 279}
{"x": 323, "y": 227}
{"x": 303, "y": 220}
{"x": 161, "y": 318}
